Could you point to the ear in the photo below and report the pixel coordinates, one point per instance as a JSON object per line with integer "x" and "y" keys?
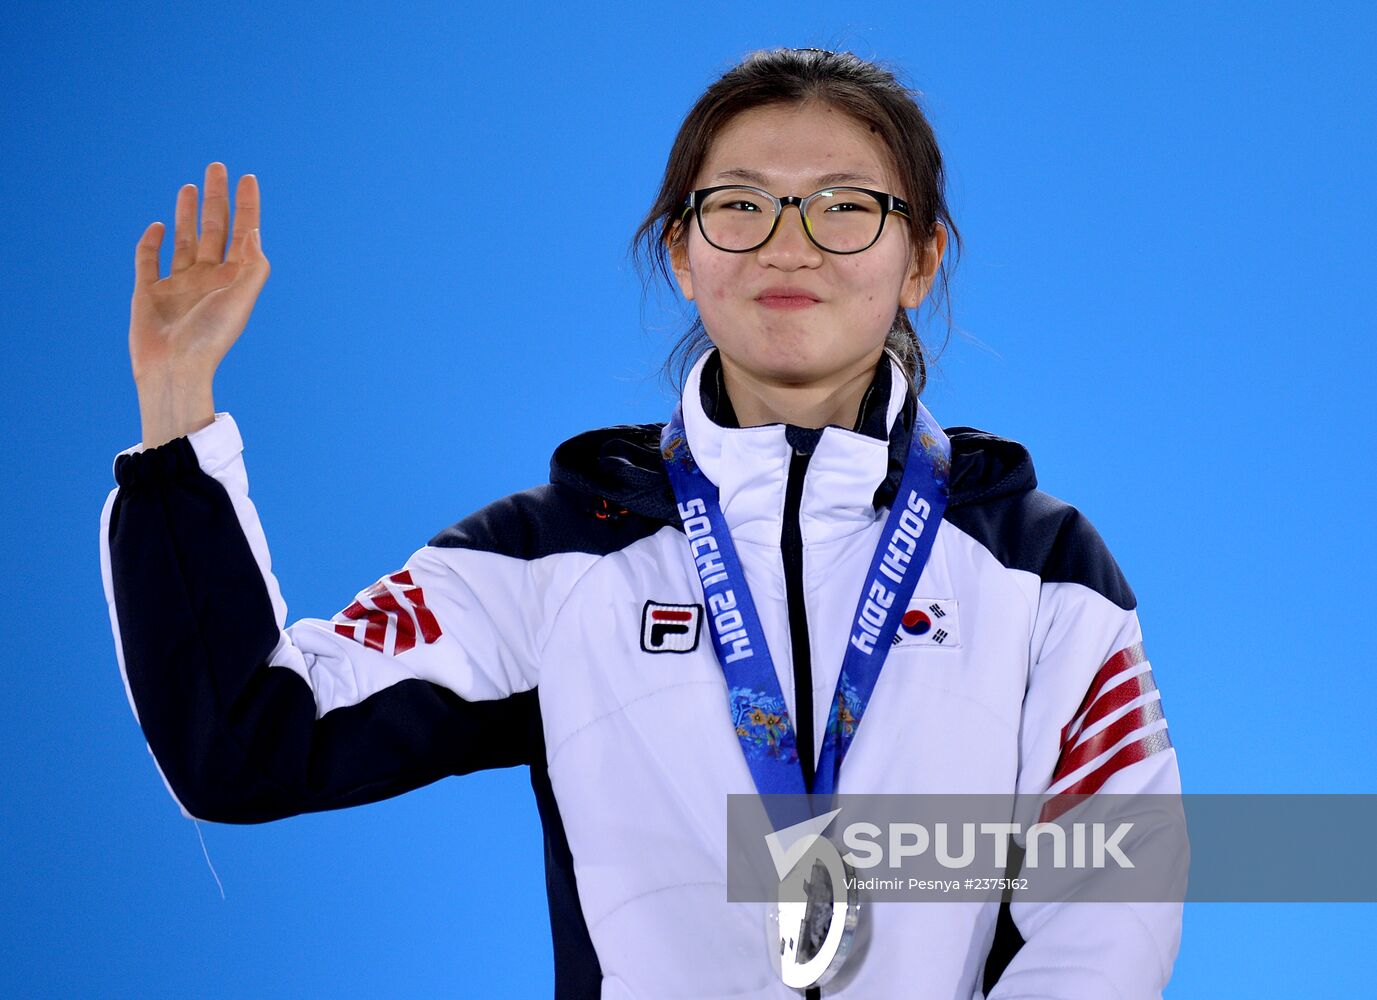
{"x": 924, "y": 270}
{"x": 677, "y": 242}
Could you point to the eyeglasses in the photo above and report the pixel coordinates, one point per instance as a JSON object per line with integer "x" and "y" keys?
{"x": 739, "y": 219}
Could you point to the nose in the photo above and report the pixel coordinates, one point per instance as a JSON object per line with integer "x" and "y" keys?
{"x": 789, "y": 240}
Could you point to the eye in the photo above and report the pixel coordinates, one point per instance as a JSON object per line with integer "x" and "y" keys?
{"x": 750, "y": 205}
{"x": 850, "y": 206}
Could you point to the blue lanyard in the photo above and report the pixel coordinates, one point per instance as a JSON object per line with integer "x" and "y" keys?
{"x": 756, "y": 702}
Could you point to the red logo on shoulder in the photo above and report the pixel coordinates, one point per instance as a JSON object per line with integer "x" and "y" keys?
{"x": 393, "y": 607}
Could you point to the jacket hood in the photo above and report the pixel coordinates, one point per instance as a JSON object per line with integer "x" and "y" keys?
{"x": 621, "y": 464}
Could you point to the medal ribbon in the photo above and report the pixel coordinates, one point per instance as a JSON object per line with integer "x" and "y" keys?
{"x": 754, "y": 696}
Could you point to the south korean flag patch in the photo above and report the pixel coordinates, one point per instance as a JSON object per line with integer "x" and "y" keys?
{"x": 930, "y": 621}
{"x": 670, "y": 628}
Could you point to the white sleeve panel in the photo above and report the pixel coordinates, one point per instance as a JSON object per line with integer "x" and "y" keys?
{"x": 473, "y": 622}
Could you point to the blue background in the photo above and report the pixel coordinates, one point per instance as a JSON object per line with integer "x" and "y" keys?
{"x": 1166, "y": 294}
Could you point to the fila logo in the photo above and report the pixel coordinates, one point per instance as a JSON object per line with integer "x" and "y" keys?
{"x": 920, "y": 626}
{"x": 670, "y": 628}
{"x": 393, "y": 607}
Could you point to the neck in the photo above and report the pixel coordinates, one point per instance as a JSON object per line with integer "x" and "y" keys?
{"x": 834, "y": 400}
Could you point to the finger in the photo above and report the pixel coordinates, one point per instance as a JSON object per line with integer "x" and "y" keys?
{"x": 214, "y": 215}
{"x": 246, "y": 214}
{"x": 146, "y": 255}
{"x": 184, "y": 235}
{"x": 253, "y": 270}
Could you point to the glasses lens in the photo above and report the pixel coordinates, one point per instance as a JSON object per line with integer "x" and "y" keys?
{"x": 737, "y": 218}
{"x": 845, "y": 221}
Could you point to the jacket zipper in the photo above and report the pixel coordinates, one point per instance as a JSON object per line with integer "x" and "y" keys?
{"x": 791, "y": 544}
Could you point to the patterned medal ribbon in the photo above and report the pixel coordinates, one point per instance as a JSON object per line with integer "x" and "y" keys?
{"x": 811, "y": 937}
{"x": 755, "y": 699}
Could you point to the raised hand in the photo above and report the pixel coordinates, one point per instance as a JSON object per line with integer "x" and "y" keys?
{"x": 182, "y": 326}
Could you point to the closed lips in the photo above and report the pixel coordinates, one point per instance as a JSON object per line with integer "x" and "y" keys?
{"x": 787, "y": 293}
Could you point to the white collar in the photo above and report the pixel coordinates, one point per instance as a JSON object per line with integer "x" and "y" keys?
{"x": 750, "y": 467}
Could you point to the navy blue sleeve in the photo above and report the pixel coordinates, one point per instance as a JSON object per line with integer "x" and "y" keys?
{"x": 238, "y": 740}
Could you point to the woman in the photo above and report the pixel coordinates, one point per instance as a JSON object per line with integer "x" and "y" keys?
{"x": 580, "y": 627}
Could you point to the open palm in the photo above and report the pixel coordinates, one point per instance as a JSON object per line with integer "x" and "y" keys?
{"x": 183, "y": 325}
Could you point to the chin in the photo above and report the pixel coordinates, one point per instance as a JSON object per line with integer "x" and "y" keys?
{"x": 797, "y": 365}
{"x": 801, "y": 372}
{"x": 792, "y": 353}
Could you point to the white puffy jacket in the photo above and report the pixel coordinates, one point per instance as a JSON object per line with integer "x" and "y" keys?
{"x": 521, "y": 636}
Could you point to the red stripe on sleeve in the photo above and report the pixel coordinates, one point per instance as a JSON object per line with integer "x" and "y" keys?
{"x": 375, "y": 636}
{"x": 430, "y": 626}
{"x": 1074, "y": 758}
{"x": 1113, "y": 699}
{"x": 1115, "y": 665}
{"x": 406, "y": 628}
{"x": 1131, "y": 754}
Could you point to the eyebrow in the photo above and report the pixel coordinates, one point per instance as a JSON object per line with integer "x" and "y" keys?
{"x": 756, "y": 177}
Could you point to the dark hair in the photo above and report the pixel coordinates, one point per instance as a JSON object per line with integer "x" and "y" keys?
{"x": 867, "y": 91}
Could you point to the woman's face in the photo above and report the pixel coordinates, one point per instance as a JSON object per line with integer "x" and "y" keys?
{"x": 797, "y": 149}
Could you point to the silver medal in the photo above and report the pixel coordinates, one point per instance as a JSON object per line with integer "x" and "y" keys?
{"x": 812, "y": 924}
